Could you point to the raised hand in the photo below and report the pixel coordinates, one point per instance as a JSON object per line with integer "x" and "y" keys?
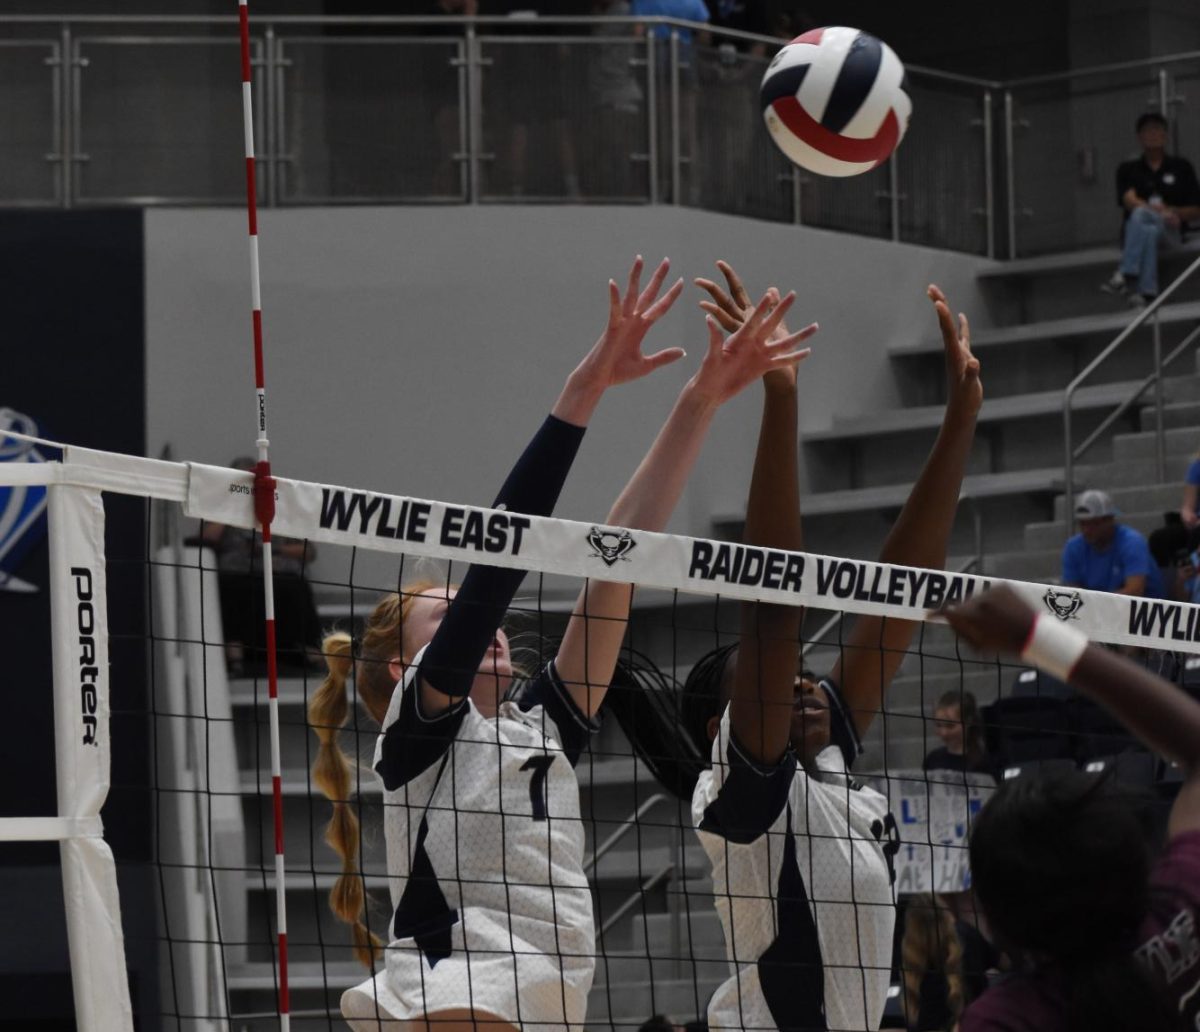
{"x": 995, "y": 621}
{"x": 732, "y": 309}
{"x": 964, "y": 390}
{"x": 617, "y": 356}
{"x": 751, "y": 351}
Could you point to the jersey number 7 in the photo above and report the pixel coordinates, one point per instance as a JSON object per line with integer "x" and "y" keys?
{"x": 540, "y": 765}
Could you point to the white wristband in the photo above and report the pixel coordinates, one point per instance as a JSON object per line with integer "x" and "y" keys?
{"x": 1053, "y": 646}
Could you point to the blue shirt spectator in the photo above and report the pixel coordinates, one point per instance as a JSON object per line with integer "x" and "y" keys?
{"x": 1106, "y": 555}
{"x": 689, "y": 10}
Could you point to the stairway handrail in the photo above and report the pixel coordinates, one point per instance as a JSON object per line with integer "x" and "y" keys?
{"x": 1070, "y": 454}
{"x": 624, "y": 828}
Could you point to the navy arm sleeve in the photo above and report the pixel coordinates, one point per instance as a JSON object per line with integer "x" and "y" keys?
{"x": 572, "y": 725}
{"x": 532, "y": 488}
{"x": 751, "y": 797}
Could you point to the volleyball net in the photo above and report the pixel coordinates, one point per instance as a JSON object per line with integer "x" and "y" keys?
{"x": 659, "y": 946}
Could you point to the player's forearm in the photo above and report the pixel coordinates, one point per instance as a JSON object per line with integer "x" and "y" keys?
{"x": 921, "y": 534}
{"x": 769, "y": 634}
{"x": 578, "y": 399}
{"x": 773, "y": 507}
{"x": 532, "y": 488}
{"x": 654, "y": 490}
{"x": 596, "y": 629}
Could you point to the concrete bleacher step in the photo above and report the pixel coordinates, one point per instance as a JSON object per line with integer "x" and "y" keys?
{"x": 1140, "y": 447}
{"x": 1042, "y": 333}
{"x": 1041, "y": 567}
{"x": 1175, "y": 414}
{"x": 625, "y": 1005}
{"x": 1141, "y": 498}
{"x": 998, "y": 410}
{"x": 310, "y": 975}
{"x": 1045, "y": 536}
{"x": 888, "y": 496}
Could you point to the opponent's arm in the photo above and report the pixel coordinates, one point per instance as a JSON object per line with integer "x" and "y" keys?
{"x": 452, "y": 659}
{"x": 591, "y": 645}
{"x": 1165, "y": 718}
{"x": 875, "y": 647}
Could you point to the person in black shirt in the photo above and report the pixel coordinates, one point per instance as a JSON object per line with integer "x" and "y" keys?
{"x": 957, "y": 723}
{"x": 1160, "y": 195}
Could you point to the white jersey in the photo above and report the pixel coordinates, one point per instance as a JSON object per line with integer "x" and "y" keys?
{"x": 485, "y": 861}
{"x": 802, "y": 880}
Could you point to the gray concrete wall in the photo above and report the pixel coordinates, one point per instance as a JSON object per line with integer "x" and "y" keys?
{"x": 414, "y": 350}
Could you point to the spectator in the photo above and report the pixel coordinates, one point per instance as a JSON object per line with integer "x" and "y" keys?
{"x": 689, "y": 88}
{"x": 658, "y": 1023}
{"x": 931, "y": 963}
{"x": 1172, "y": 544}
{"x": 619, "y": 132}
{"x": 957, "y": 723}
{"x": 434, "y": 61}
{"x": 1106, "y": 555}
{"x": 1160, "y": 195}
{"x": 239, "y": 576}
{"x": 688, "y": 10}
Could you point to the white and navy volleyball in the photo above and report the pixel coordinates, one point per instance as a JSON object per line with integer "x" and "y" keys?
{"x": 834, "y": 101}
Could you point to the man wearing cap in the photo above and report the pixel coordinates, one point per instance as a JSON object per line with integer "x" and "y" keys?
{"x": 1160, "y": 196}
{"x": 1106, "y": 555}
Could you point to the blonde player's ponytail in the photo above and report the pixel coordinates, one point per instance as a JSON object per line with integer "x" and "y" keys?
{"x": 331, "y": 773}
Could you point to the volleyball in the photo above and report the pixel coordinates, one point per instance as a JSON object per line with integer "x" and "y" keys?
{"x": 834, "y": 101}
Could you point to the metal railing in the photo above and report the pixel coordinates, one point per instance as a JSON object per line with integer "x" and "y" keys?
{"x": 1065, "y": 134}
{"x": 1154, "y": 379}
{"x": 395, "y": 108}
{"x": 383, "y": 109}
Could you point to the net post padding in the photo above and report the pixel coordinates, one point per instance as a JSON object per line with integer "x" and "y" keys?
{"x": 201, "y": 839}
{"x": 79, "y": 622}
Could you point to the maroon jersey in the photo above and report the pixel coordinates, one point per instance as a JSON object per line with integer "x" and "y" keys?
{"x": 1169, "y": 948}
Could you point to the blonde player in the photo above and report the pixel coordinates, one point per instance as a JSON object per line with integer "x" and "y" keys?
{"x": 493, "y": 920}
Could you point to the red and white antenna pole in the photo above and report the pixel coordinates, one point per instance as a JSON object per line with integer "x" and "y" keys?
{"x": 264, "y": 509}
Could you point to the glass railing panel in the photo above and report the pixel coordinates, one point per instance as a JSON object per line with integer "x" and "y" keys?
{"x": 373, "y": 119}
{"x": 158, "y": 120}
{"x": 563, "y": 119}
{"x": 30, "y": 127}
{"x": 942, "y": 169}
{"x": 736, "y": 168}
{"x": 1068, "y": 139}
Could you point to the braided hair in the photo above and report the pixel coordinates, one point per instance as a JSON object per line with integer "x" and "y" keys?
{"x": 668, "y": 726}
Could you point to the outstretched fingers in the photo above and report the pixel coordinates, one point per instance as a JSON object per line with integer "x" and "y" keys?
{"x": 740, "y": 297}
{"x": 614, "y": 305}
{"x": 727, "y": 321}
{"x": 722, "y": 305}
{"x": 793, "y": 339}
{"x": 716, "y": 339}
{"x": 663, "y": 305}
{"x": 655, "y": 284}
{"x": 776, "y": 314}
{"x": 632, "y": 287}
{"x": 664, "y": 357}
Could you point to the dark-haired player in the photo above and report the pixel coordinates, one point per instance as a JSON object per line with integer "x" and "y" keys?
{"x": 799, "y": 850}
